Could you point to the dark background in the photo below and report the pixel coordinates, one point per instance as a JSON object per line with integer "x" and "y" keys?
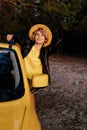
{"x": 67, "y": 20}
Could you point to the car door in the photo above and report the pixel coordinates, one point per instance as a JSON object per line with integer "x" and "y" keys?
{"x": 12, "y": 108}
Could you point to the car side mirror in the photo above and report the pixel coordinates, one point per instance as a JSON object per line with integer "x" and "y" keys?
{"x": 40, "y": 81}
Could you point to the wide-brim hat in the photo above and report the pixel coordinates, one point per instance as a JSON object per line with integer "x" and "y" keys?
{"x": 48, "y": 31}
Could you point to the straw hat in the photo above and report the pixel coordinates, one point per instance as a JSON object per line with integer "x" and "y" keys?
{"x": 48, "y": 31}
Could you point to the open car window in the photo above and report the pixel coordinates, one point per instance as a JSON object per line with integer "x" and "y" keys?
{"x": 11, "y": 80}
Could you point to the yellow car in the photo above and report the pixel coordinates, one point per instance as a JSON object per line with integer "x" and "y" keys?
{"x": 17, "y": 107}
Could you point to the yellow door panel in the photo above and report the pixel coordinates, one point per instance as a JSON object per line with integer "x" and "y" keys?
{"x": 11, "y": 115}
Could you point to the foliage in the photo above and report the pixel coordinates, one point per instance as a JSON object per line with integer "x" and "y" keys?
{"x": 66, "y": 10}
{"x": 18, "y": 15}
{"x": 82, "y": 27}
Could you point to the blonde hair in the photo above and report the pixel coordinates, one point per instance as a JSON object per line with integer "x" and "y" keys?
{"x": 43, "y": 32}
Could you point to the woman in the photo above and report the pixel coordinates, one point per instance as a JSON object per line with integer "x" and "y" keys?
{"x": 36, "y": 55}
{"x": 42, "y": 37}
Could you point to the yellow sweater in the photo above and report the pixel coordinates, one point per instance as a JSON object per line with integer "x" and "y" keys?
{"x": 32, "y": 63}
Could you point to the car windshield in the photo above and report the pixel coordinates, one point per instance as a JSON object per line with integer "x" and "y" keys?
{"x": 11, "y": 82}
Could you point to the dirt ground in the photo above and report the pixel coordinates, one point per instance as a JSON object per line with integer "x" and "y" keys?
{"x": 63, "y": 105}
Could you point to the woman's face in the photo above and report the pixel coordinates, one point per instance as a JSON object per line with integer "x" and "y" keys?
{"x": 39, "y": 38}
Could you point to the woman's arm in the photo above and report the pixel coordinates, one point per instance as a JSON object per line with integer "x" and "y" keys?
{"x": 12, "y": 39}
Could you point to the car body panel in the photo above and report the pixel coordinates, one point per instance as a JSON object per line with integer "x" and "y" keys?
{"x": 11, "y": 115}
{"x": 19, "y": 114}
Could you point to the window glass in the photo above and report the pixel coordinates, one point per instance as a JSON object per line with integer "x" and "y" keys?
{"x": 11, "y": 82}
